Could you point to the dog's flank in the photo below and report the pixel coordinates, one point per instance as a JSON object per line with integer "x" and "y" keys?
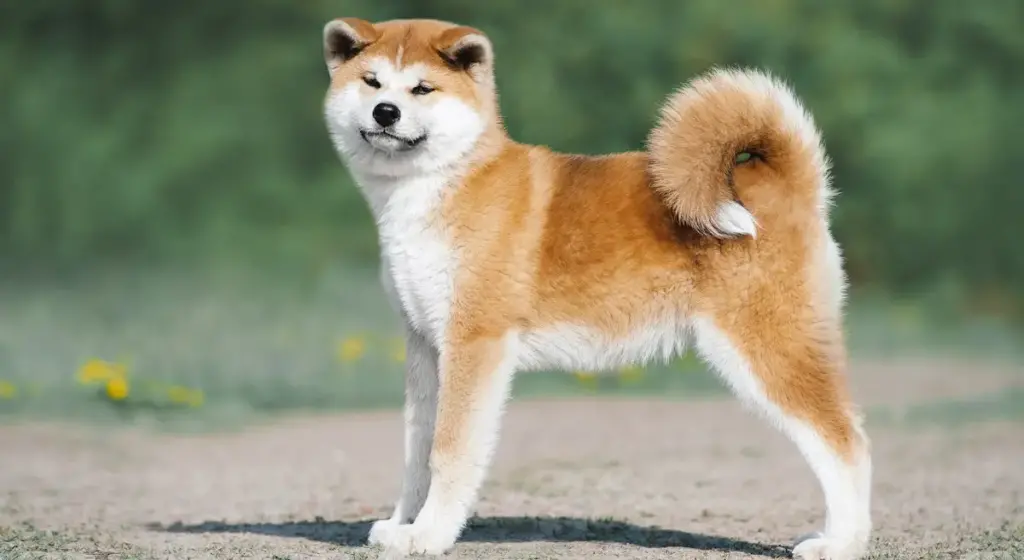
{"x": 502, "y": 257}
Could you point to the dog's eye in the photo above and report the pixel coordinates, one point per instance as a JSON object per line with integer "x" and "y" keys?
{"x": 422, "y": 89}
{"x": 371, "y": 81}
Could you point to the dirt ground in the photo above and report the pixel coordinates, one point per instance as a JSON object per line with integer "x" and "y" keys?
{"x": 586, "y": 478}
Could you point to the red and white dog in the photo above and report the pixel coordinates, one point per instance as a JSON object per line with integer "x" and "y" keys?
{"x": 503, "y": 257}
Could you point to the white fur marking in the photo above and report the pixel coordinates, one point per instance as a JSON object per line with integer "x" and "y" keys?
{"x": 418, "y": 255}
{"x": 732, "y": 219}
{"x": 829, "y": 279}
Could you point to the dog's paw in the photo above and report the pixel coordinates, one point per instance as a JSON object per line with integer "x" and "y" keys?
{"x": 381, "y": 532}
{"x": 821, "y": 547}
{"x": 417, "y": 538}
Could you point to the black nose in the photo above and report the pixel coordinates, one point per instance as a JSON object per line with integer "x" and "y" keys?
{"x": 386, "y": 114}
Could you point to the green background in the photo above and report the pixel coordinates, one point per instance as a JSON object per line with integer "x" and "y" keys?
{"x": 168, "y": 191}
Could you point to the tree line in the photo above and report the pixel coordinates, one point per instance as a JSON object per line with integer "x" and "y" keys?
{"x": 172, "y": 129}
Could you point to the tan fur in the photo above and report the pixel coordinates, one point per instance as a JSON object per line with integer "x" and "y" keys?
{"x": 587, "y": 240}
{"x": 616, "y": 242}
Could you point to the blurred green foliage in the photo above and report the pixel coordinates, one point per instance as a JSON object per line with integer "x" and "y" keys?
{"x": 172, "y": 130}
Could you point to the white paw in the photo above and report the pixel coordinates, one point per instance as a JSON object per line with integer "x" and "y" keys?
{"x": 381, "y": 532}
{"x": 820, "y": 547}
{"x": 417, "y": 538}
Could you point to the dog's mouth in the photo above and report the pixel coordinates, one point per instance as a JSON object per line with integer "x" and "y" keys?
{"x": 383, "y": 139}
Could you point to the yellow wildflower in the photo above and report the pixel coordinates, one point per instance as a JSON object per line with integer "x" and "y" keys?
{"x": 586, "y": 378}
{"x": 398, "y": 349}
{"x": 117, "y": 388}
{"x": 631, "y": 374}
{"x": 351, "y": 349}
{"x": 8, "y": 390}
{"x": 98, "y": 370}
{"x": 185, "y": 395}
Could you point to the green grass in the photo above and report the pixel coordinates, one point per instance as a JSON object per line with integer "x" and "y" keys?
{"x": 259, "y": 342}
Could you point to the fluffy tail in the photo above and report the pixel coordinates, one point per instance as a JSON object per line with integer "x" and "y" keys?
{"x": 731, "y": 119}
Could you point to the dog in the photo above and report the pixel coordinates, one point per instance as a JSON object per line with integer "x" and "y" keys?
{"x": 503, "y": 257}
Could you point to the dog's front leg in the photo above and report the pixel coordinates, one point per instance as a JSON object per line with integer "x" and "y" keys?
{"x": 475, "y": 376}
{"x": 421, "y": 383}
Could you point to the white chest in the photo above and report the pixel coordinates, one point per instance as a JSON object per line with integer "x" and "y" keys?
{"x": 417, "y": 255}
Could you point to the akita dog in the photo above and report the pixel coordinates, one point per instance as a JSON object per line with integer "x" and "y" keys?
{"x": 504, "y": 257}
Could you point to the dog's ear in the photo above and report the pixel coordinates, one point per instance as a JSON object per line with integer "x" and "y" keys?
{"x": 344, "y": 38}
{"x": 467, "y": 50}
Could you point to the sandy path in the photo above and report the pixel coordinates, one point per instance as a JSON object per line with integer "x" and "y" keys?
{"x": 679, "y": 480}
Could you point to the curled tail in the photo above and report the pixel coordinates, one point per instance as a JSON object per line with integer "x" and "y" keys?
{"x": 731, "y": 119}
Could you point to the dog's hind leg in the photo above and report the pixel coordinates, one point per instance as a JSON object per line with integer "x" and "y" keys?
{"x": 792, "y": 373}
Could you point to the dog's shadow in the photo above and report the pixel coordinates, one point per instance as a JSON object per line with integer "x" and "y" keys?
{"x": 502, "y": 530}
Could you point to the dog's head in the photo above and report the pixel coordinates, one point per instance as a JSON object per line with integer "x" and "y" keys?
{"x": 406, "y": 96}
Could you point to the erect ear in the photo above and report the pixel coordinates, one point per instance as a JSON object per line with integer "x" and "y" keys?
{"x": 466, "y": 49}
{"x": 344, "y": 38}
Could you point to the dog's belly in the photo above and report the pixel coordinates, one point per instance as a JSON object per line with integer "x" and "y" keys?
{"x": 574, "y": 347}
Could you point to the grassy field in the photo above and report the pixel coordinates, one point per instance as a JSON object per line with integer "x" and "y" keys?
{"x": 184, "y": 350}
{"x": 193, "y": 350}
